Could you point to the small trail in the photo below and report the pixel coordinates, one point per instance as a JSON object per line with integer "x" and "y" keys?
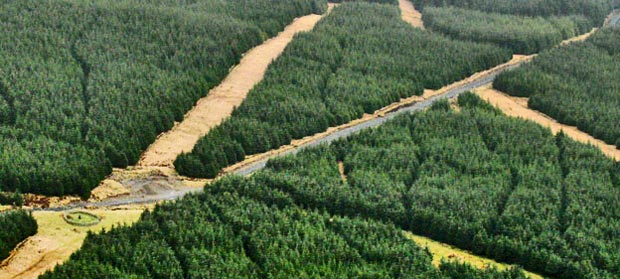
{"x": 517, "y": 107}
{"x": 410, "y": 14}
{"x": 221, "y": 100}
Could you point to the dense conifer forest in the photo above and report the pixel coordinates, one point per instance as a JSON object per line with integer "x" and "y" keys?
{"x": 594, "y": 10}
{"x": 522, "y": 35}
{"x": 497, "y": 186}
{"x": 577, "y": 84}
{"x": 229, "y": 235}
{"x": 15, "y": 226}
{"x": 358, "y": 59}
{"x": 87, "y": 85}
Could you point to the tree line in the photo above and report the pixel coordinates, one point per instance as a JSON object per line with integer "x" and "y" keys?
{"x": 523, "y": 35}
{"x": 500, "y": 187}
{"x": 358, "y": 59}
{"x": 577, "y": 84}
{"x": 88, "y": 86}
{"x": 594, "y": 10}
{"x": 16, "y": 225}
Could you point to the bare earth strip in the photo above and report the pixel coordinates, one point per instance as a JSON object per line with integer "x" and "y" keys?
{"x": 221, "y": 100}
{"x": 410, "y": 14}
{"x": 444, "y": 251}
{"x": 56, "y": 240}
{"x": 517, "y": 107}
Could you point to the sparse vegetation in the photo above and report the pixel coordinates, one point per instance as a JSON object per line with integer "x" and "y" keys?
{"x": 87, "y": 85}
{"x": 358, "y": 59}
{"x": 577, "y": 84}
{"x": 16, "y": 225}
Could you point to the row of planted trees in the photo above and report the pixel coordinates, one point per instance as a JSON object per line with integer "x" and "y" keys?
{"x": 497, "y": 186}
{"x": 575, "y": 84}
{"x": 358, "y": 59}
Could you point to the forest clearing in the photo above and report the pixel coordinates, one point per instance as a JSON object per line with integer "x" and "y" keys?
{"x": 56, "y": 240}
{"x": 517, "y": 107}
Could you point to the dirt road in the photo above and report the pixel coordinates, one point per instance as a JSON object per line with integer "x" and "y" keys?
{"x": 517, "y": 107}
{"x": 410, "y": 14}
{"x": 221, "y": 100}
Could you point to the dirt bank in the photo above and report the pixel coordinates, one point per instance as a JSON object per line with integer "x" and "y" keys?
{"x": 517, "y": 107}
{"x": 473, "y": 81}
{"x": 221, "y": 100}
{"x": 56, "y": 241}
{"x": 410, "y": 14}
{"x": 444, "y": 251}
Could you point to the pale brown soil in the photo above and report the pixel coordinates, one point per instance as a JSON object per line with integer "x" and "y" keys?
{"x": 410, "y": 14}
{"x": 579, "y": 38}
{"x": 442, "y": 251}
{"x": 379, "y": 113}
{"x": 221, "y": 100}
{"x": 517, "y": 107}
{"x": 341, "y": 171}
{"x": 143, "y": 181}
{"x": 56, "y": 241}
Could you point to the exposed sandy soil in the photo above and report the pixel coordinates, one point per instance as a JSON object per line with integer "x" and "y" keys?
{"x": 410, "y": 14}
{"x": 221, "y": 100}
{"x": 517, "y": 107}
{"x": 343, "y": 175}
{"x": 379, "y": 113}
{"x": 56, "y": 241}
{"x": 444, "y": 251}
{"x": 143, "y": 181}
{"x": 580, "y": 38}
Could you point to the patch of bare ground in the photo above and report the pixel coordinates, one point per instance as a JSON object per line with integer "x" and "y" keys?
{"x": 579, "y": 38}
{"x": 249, "y": 160}
{"x": 410, "y": 14}
{"x": 221, "y": 100}
{"x": 517, "y": 107}
{"x": 56, "y": 240}
{"x": 442, "y": 251}
{"x": 343, "y": 175}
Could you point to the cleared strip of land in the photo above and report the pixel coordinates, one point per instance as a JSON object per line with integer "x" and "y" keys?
{"x": 56, "y": 240}
{"x": 449, "y": 253}
{"x": 221, "y": 100}
{"x": 410, "y": 14}
{"x": 517, "y": 107}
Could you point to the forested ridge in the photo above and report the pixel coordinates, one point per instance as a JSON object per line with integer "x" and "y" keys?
{"x": 523, "y": 35}
{"x": 356, "y": 60}
{"x": 577, "y": 84}
{"x": 16, "y": 225}
{"x": 87, "y": 85}
{"x": 230, "y": 235}
{"x": 497, "y": 186}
